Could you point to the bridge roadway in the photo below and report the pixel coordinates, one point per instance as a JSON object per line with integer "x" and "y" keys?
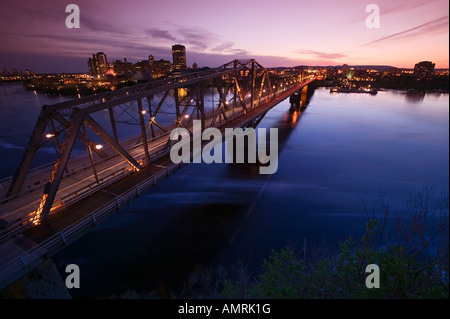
{"x": 82, "y": 203}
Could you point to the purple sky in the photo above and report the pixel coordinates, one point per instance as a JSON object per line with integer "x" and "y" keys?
{"x": 276, "y": 33}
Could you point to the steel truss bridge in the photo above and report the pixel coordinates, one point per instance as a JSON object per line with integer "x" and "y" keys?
{"x": 44, "y": 209}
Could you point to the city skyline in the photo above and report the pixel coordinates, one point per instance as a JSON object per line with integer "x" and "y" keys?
{"x": 282, "y": 34}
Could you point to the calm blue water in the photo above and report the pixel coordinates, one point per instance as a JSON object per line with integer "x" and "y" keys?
{"x": 342, "y": 150}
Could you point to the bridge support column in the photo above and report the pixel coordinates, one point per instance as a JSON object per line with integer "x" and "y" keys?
{"x": 143, "y": 130}
{"x": 52, "y": 186}
{"x": 252, "y": 92}
{"x": 91, "y": 157}
{"x": 201, "y": 93}
{"x": 81, "y": 137}
{"x": 150, "y": 113}
{"x": 113, "y": 124}
{"x": 235, "y": 89}
{"x": 108, "y": 139}
{"x": 32, "y": 147}
{"x": 177, "y": 103}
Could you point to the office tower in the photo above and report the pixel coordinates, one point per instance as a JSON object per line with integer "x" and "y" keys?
{"x": 98, "y": 64}
{"x": 92, "y": 64}
{"x": 102, "y": 63}
{"x": 179, "y": 56}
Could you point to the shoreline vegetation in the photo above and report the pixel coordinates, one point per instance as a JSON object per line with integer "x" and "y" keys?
{"x": 411, "y": 251}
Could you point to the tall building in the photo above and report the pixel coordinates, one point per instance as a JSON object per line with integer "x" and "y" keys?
{"x": 92, "y": 64}
{"x": 102, "y": 62}
{"x": 179, "y": 56}
{"x": 98, "y": 64}
{"x": 424, "y": 69}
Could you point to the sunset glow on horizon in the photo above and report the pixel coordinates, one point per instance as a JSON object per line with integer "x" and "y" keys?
{"x": 282, "y": 33}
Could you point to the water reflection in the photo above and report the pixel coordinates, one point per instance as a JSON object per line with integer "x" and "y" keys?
{"x": 415, "y": 97}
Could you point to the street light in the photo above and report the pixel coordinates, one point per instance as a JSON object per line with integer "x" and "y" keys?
{"x": 99, "y": 146}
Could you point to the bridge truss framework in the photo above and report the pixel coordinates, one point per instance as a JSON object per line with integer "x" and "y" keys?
{"x": 155, "y": 107}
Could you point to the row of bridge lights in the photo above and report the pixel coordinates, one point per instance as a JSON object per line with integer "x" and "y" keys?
{"x": 153, "y": 118}
{"x": 51, "y": 135}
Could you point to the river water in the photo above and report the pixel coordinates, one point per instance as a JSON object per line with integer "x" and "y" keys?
{"x": 341, "y": 151}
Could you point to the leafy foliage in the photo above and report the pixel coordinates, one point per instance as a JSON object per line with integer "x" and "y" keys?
{"x": 413, "y": 262}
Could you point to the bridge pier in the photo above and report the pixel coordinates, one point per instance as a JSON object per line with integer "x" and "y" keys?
{"x": 298, "y": 99}
{"x": 301, "y": 98}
